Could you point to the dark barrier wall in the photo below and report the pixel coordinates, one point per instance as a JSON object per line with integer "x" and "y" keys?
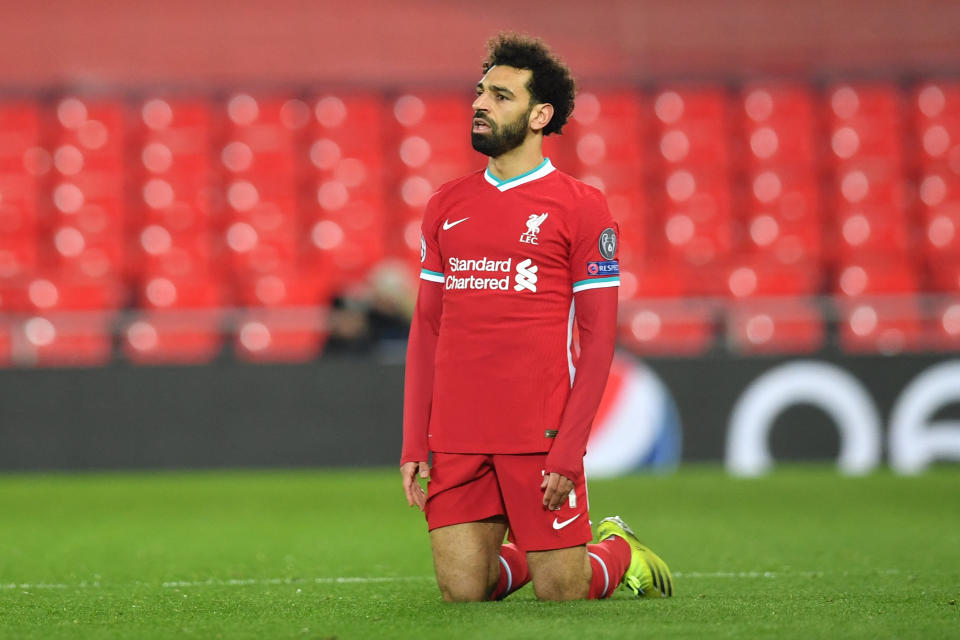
{"x": 347, "y": 411}
{"x": 332, "y": 412}
{"x": 863, "y": 410}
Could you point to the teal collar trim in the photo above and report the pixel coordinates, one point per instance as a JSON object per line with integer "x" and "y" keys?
{"x": 544, "y": 168}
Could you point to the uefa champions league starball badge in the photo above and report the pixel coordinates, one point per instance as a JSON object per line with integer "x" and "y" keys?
{"x": 608, "y": 243}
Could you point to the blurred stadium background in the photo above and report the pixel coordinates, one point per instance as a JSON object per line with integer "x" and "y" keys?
{"x": 209, "y": 217}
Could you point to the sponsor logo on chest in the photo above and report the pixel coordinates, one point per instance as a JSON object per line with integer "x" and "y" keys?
{"x": 525, "y": 278}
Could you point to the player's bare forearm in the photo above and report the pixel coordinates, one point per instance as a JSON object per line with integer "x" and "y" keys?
{"x": 409, "y": 472}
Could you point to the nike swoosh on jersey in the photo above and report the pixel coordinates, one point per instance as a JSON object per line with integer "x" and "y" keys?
{"x": 561, "y": 525}
{"x": 449, "y": 225}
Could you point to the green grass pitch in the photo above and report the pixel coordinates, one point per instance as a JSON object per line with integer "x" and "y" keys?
{"x": 321, "y": 554}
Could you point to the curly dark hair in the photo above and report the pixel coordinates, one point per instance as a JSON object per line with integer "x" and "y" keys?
{"x": 551, "y": 81}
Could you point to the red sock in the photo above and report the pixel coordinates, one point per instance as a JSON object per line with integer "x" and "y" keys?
{"x": 513, "y": 571}
{"x": 609, "y": 560}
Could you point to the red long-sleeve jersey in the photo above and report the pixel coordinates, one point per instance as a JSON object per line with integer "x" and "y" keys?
{"x": 508, "y": 269}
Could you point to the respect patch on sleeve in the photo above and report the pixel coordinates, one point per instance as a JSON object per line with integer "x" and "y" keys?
{"x": 607, "y": 268}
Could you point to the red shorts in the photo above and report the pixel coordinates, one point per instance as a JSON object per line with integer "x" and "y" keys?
{"x": 471, "y": 487}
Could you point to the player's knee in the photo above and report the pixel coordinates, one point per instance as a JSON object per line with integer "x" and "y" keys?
{"x": 464, "y": 591}
{"x": 555, "y": 588}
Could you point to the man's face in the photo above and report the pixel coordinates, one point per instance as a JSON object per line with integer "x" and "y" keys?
{"x": 501, "y": 111}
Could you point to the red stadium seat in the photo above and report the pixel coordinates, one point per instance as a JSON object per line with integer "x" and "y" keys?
{"x": 695, "y": 143}
{"x": 695, "y": 210}
{"x": 758, "y": 277}
{"x": 779, "y": 126}
{"x": 67, "y": 320}
{"x": 788, "y": 241}
{"x": 942, "y": 233}
{"x": 603, "y": 145}
{"x": 946, "y": 332}
{"x": 939, "y": 189}
{"x": 945, "y": 275}
{"x": 84, "y": 233}
{"x": 181, "y": 324}
{"x": 165, "y": 292}
{"x": 784, "y": 325}
{"x": 653, "y": 279}
{"x": 936, "y": 116}
{"x": 940, "y": 215}
{"x": 283, "y": 290}
{"x": 258, "y": 161}
{"x": 864, "y": 122}
{"x": 861, "y": 185}
{"x": 876, "y": 230}
{"x": 94, "y": 125}
{"x": 878, "y": 276}
{"x": 281, "y": 335}
{"x": 345, "y": 138}
{"x": 878, "y": 309}
{"x": 22, "y": 162}
{"x": 18, "y": 204}
{"x": 345, "y": 244}
{"x": 172, "y": 200}
{"x": 167, "y": 337}
{"x": 786, "y": 193}
{"x": 47, "y": 294}
{"x": 667, "y": 328}
{"x": 65, "y": 339}
{"x": 692, "y": 128}
{"x": 18, "y": 255}
{"x": 699, "y": 243}
{"x": 881, "y": 325}
{"x": 428, "y": 134}
{"x": 783, "y": 214}
{"x": 158, "y": 252}
{"x": 251, "y": 251}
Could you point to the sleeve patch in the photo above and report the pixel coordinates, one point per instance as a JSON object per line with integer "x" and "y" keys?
{"x": 608, "y": 243}
{"x": 607, "y": 268}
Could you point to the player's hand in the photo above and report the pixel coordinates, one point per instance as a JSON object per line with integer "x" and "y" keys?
{"x": 555, "y": 489}
{"x": 415, "y": 494}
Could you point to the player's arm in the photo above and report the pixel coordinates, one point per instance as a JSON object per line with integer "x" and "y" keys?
{"x": 421, "y": 356}
{"x": 596, "y": 314}
{"x": 418, "y": 389}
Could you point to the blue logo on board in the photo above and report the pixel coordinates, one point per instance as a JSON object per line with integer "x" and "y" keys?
{"x": 608, "y": 268}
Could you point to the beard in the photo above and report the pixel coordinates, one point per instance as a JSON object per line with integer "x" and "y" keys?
{"x": 501, "y": 139}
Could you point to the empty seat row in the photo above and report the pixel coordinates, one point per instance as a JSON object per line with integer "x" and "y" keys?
{"x": 184, "y": 202}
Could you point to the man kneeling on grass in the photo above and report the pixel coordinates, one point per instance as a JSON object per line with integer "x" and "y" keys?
{"x": 511, "y": 256}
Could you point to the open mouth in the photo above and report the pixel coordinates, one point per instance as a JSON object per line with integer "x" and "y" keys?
{"x": 480, "y": 125}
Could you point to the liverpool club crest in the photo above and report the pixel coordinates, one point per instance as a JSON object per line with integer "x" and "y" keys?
{"x": 533, "y": 227}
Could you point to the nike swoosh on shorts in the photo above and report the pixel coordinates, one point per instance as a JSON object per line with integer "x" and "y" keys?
{"x": 561, "y": 525}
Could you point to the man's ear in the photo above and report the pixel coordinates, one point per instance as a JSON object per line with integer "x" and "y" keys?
{"x": 540, "y": 116}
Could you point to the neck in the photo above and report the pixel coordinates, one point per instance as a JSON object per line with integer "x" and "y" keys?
{"x": 519, "y": 160}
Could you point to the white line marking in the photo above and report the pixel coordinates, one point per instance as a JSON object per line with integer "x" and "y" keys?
{"x": 240, "y": 582}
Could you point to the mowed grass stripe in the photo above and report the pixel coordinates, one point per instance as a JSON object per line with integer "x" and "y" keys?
{"x": 241, "y": 582}
{"x": 801, "y": 553}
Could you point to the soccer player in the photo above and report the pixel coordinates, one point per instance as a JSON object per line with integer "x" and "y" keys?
{"x": 510, "y": 258}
